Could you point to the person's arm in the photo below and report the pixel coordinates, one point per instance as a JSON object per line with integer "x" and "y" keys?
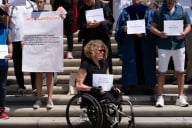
{"x": 187, "y": 29}
{"x": 80, "y": 79}
{"x": 10, "y": 47}
{"x": 154, "y": 30}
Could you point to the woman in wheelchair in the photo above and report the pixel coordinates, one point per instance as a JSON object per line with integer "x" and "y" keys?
{"x": 96, "y": 52}
{"x": 95, "y": 63}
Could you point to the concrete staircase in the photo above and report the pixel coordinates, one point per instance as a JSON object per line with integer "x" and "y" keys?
{"x": 22, "y": 115}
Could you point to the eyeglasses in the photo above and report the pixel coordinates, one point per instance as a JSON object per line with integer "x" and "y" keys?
{"x": 102, "y": 50}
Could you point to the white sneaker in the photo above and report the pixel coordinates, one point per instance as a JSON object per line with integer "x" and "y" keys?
{"x": 37, "y": 104}
{"x": 181, "y": 101}
{"x": 50, "y": 104}
{"x": 160, "y": 101}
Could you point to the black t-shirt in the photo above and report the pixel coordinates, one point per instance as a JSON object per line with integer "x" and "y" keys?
{"x": 67, "y": 4}
{"x": 92, "y": 68}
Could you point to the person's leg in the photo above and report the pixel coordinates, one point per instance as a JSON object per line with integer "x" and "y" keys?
{"x": 17, "y": 60}
{"x": 32, "y": 74}
{"x": 164, "y": 56}
{"x": 161, "y": 81}
{"x": 180, "y": 82}
{"x": 38, "y": 80}
{"x": 55, "y": 78}
{"x": 109, "y": 58}
{"x": 68, "y": 24}
{"x": 39, "y": 85}
{"x": 179, "y": 62}
{"x": 50, "y": 84}
{"x": 3, "y": 87}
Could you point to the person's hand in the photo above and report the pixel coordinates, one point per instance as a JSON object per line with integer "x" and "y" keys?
{"x": 182, "y": 36}
{"x": 9, "y": 56}
{"x": 62, "y": 12}
{"x": 139, "y": 34}
{"x": 96, "y": 90}
{"x": 93, "y": 24}
{"x": 125, "y": 29}
{"x": 116, "y": 90}
{"x": 22, "y": 43}
{"x": 163, "y": 35}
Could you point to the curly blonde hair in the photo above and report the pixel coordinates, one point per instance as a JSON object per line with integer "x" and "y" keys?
{"x": 92, "y": 45}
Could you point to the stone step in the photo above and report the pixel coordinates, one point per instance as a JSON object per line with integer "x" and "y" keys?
{"x": 61, "y": 99}
{"x": 59, "y": 111}
{"x": 68, "y": 70}
{"x": 75, "y": 39}
{"x": 76, "y": 62}
{"x": 61, "y": 79}
{"x": 60, "y": 122}
{"x": 64, "y": 88}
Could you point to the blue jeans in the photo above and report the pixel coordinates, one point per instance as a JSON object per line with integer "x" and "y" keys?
{"x": 3, "y": 85}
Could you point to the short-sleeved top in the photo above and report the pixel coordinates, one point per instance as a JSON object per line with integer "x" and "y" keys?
{"x": 17, "y": 14}
{"x": 172, "y": 42}
{"x": 3, "y": 41}
{"x": 91, "y": 68}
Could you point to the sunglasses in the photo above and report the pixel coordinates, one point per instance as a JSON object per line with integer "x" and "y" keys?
{"x": 102, "y": 50}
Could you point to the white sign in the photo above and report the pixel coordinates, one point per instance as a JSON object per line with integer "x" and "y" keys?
{"x": 103, "y": 80}
{"x": 3, "y": 51}
{"x": 17, "y": 2}
{"x": 43, "y": 38}
{"x": 136, "y": 26}
{"x": 173, "y": 27}
{"x": 185, "y": 3}
{"x": 94, "y": 15}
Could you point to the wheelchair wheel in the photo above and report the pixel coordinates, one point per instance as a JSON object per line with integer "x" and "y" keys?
{"x": 112, "y": 115}
{"x": 84, "y": 111}
{"x": 132, "y": 118}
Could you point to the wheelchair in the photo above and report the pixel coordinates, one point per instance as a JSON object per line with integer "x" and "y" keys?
{"x": 84, "y": 111}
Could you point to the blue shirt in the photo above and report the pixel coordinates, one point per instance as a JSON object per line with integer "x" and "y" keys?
{"x": 3, "y": 41}
{"x": 172, "y": 42}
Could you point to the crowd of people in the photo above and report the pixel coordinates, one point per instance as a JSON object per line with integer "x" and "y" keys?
{"x": 137, "y": 51}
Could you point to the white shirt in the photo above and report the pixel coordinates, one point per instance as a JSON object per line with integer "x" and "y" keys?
{"x": 17, "y": 18}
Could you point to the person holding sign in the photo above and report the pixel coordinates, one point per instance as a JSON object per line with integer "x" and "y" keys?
{"x": 95, "y": 21}
{"x": 68, "y": 22}
{"x": 96, "y": 52}
{"x": 171, "y": 46}
{"x": 4, "y": 60}
{"x": 39, "y": 75}
{"x": 138, "y": 48}
{"x": 16, "y": 14}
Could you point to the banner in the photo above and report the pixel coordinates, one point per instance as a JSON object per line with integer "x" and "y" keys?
{"x": 43, "y": 42}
